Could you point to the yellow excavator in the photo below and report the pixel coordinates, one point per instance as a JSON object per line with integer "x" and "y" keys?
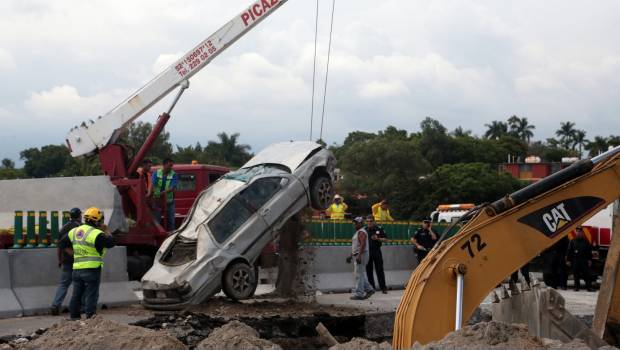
{"x": 496, "y": 239}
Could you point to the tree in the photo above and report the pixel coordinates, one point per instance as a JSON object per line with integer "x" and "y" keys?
{"x": 50, "y": 160}
{"x": 566, "y": 133}
{"x": 460, "y": 132}
{"x": 597, "y": 146}
{"x": 435, "y": 144}
{"x": 135, "y": 136}
{"x": 227, "y": 151}
{"x": 513, "y": 124}
{"x": 579, "y": 139}
{"x": 8, "y": 164}
{"x": 524, "y": 130}
{"x": 496, "y": 129}
{"x": 464, "y": 183}
{"x": 186, "y": 155}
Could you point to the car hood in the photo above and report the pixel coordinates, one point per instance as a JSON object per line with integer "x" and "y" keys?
{"x": 290, "y": 154}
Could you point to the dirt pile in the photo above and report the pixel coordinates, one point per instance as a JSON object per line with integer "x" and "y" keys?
{"x": 236, "y": 335}
{"x": 100, "y": 334}
{"x": 361, "y": 344}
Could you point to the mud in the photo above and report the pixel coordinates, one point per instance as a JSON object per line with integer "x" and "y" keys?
{"x": 99, "y": 334}
{"x": 235, "y": 335}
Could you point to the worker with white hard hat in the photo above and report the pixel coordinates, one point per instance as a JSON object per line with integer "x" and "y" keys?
{"x": 338, "y": 209}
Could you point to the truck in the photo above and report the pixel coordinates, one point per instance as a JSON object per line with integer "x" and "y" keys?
{"x": 129, "y": 213}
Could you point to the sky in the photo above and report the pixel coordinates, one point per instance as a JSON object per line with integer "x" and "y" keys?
{"x": 393, "y": 62}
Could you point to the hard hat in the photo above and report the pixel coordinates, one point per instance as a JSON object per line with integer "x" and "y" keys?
{"x": 337, "y": 196}
{"x": 359, "y": 220}
{"x": 75, "y": 213}
{"x": 93, "y": 214}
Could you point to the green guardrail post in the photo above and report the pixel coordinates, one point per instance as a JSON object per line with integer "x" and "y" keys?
{"x": 18, "y": 227}
{"x": 66, "y": 217}
{"x": 31, "y": 240}
{"x": 43, "y": 242}
{"x": 54, "y": 229}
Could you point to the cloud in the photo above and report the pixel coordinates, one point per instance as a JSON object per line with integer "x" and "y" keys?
{"x": 66, "y": 102}
{"x": 382, "y": 89}
{"x": 7, "y": 63}
{"x": 164, "y": 61}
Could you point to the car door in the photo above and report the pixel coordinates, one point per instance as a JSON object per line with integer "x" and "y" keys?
{"x": 273, "y": 196}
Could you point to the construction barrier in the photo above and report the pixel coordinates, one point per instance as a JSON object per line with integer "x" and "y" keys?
{"x": 33, "y": 276}
{"x": 331, "y": 272}
{"x": 339, "y": 232}
{"x": 9, "y": 305}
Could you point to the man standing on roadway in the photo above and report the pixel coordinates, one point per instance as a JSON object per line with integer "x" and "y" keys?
{"x": 65, "y": 260}
{"x": 359, "y": 252}
{"x": 579, "y": 257}
{"x": 381, "y": 211}
{"x": 338, "y": 209}
{"x": 424, "y": 240}
{"x": 164, "y": 184}
{"x": 377, "y": 238}
{"x": 89, "y": 244}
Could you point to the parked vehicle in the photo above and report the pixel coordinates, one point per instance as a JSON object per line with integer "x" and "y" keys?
{"x": 233, "y": 220}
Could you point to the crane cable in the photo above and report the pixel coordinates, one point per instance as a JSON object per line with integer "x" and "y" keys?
{"x": 316, "y": 34}
{"x": 329, "y": 51}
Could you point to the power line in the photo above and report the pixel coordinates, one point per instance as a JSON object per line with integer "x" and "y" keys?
{"x": 316, "y": 34}
{"x": 329, "y": 51}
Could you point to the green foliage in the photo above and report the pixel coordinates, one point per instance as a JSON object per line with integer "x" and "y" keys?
{"x": 227, "y": 151}
{"x": 55, "y": 160}
{"x": 496, "y": 129}
{"x": 464, "y": 183}
{"x": 135, "y": 136}
{"x": 7, "y": 164}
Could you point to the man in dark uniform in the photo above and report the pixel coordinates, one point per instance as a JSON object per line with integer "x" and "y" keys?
{"x": 65, "y": 260}
{"x": 423, "y": 240}
{"x": 376, "y": 238}
{"x": 579, "y": 257}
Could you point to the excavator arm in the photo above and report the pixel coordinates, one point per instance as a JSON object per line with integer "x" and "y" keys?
{"x": 499, "y": 239}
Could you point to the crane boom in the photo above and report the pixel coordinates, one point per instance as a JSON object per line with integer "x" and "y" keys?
{"x": 90, "y": 137}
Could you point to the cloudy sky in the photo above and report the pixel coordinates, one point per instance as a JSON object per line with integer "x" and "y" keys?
{"x": 464, "y": 62}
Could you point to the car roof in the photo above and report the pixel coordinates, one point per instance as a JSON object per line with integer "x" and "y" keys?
{"x": 290, "y": 154}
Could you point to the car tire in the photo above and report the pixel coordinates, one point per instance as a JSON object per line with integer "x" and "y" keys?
{"x": 239, "y": 281}
{"x": 321, "y": 192}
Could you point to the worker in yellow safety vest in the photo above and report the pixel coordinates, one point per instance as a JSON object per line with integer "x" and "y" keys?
{"x": 88, "y": 246}
{"x": 381, "y": 211}
{"x": 338, "y": 209}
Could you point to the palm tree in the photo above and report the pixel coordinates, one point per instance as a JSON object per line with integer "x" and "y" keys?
{"x": 566, "y": 133}
{"x": 524, "y": 130}
{"x": 597, "y": 146}
{"x": 513, "y": 124}
{"x": 228, "y": 150}
{"x": 496, "y": 130}
{"x": 579, "y": 139}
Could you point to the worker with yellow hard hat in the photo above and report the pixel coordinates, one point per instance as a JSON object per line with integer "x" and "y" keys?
{"x": 89, "y": 243}
{"x": 338, "y": 209}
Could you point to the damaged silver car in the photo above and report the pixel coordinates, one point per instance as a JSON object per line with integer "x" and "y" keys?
{"x": 233, "y": 220}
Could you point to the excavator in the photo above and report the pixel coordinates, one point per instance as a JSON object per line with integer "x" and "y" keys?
{"x": 498, "y": 238}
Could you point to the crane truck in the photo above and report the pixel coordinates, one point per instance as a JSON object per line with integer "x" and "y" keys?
{"x": 497, "y": 239}
{"x": 139, "y": 230}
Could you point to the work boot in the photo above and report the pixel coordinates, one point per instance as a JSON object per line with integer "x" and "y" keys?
{"x": 355, "y": 297}
{"x": 369, "y": 294}
{"x": 384, "y": 290}
{"x": 55, "y": 310}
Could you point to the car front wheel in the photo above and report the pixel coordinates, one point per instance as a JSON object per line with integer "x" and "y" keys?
{"x": 239, "y": 281}
{"x": 321, "y": 193}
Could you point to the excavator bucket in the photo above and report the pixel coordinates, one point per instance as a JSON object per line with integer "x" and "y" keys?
{"x": 62, "y": 193}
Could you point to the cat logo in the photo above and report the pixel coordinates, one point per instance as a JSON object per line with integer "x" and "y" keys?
{"x": 557, "y": 218}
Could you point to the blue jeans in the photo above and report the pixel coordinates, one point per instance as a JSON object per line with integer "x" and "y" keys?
{"x": 85, "y": 285}
{"x": 170, "y": 215}
{"x": 63, "y": 286}
{"x": 362, "y": 287}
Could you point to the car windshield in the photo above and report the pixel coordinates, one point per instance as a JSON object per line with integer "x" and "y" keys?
{"x": 247, "y": 174}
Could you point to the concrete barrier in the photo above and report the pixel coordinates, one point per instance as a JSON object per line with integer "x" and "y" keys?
{"x": 34, "y": 276}
{"x": 9, "y": 305}
{"x": 333, "y": 274}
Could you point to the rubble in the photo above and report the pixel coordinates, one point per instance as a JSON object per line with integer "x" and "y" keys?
{"x": 236, "y": 335}
{"x": 362, "y": 344}
{"x": 100, "y": 334}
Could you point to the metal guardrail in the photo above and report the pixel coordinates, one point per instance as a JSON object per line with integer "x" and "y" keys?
{"x": 339, "y": 232}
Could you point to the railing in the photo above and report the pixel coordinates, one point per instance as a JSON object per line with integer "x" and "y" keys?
{"x": 39, "y": 233}
{"x": 339, "y": 232}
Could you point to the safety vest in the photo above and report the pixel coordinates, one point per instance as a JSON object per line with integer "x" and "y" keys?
{"x": 85, "y": 255}
{"x": 157, "y": 185}
{"x": 380, "y": 214}
{"x": 336, "y": 211}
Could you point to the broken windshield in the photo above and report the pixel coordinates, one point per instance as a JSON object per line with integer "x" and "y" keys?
{"x": 247, "y": 174}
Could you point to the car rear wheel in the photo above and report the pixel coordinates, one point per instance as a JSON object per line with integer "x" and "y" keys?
{"x": 239, "y": 281}
{"x": 321, "y": 193}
